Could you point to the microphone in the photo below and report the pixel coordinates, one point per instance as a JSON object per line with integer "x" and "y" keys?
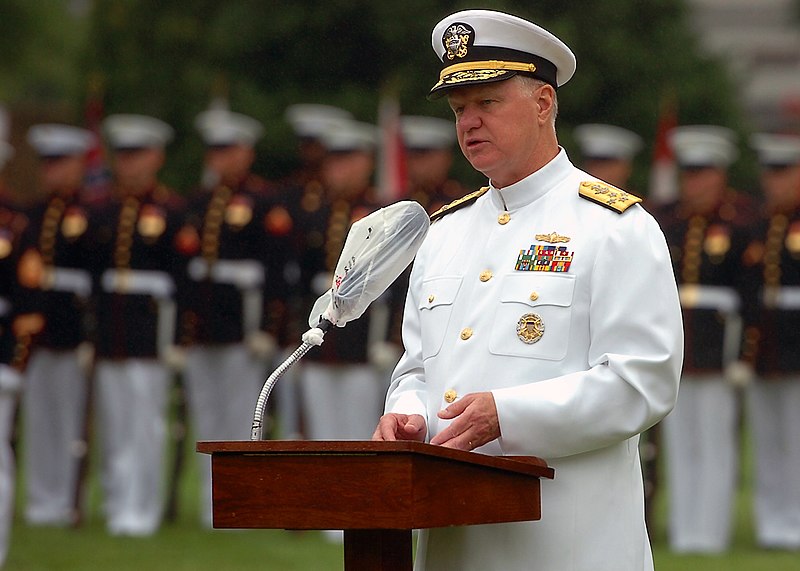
{"x": 376, "y": 251}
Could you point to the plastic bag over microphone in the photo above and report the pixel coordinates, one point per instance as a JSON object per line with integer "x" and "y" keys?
{"x": 376, "y": 251}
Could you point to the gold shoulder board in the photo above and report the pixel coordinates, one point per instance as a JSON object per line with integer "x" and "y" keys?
{"x": 459, "y": 203}
{"x": 606, "y": 195}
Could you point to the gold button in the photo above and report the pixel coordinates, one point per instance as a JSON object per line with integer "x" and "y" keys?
{"x": 504, "y": 218}
{"x": 431, "y": 298}
{"x": 466, "y": 333}
{"x": 450, "y": 395}
{"x": 534, "y": 296}
{"x": 486, "y": 275}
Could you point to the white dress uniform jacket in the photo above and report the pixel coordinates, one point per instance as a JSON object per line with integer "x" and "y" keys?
{"x": 605, "y": 368}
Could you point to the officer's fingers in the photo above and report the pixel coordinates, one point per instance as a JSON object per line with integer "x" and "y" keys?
{"x": 456, "y": 408}
{"x": 414, "y": 427}
{"x": 386, "y": 429}
{"x": 448, "y": 435}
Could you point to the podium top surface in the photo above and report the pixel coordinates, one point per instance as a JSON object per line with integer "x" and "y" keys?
{"x": 529, "y": 465}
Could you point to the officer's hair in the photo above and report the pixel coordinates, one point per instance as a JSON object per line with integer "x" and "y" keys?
{"x": 530, "y": 85}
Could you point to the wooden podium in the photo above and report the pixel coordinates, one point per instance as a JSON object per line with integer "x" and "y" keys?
{"x": 377, "y": 492}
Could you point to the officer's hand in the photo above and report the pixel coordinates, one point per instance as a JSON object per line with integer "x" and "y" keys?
{"x": 394, "y": 426}
{"x": 261, "y": 345}
{"x": 474, "y": 423}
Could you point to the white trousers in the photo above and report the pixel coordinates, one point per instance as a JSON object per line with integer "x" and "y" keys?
{"x": 342, "y": 402}
{"x": 132, "y": 397}
{"x": 702, "y": 457}
{"x": 774, "y": 408}
{"x": 222, "y": 384}
{"x": 54, "y": 409}
{"x": 8, "y": 402}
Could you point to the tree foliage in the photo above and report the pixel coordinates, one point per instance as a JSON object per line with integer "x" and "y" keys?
{"x": 170, "y": 58}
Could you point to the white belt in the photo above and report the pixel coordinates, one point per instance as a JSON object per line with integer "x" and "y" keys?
{"x": 721, "y": 298}
{"x": 138, "y": 282}
{"x": 244, "y": 274}
{"x": 69, "y": 280}
{"x": 781, "y": 297}
{"x": 5, "y": 306}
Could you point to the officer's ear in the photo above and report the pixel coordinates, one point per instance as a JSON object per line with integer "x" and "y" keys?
{"x": 545, "y": 98}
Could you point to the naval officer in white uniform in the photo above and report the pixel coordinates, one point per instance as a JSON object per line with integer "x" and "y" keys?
{"x": 542, "y": 316}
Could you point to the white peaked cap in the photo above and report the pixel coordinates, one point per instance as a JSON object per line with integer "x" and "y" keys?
{"x": 420, "y": 132}
{"x": 776, "y": 150}
{"x": 600, "y": 141}
{"x": 127, "y": 131}
{"x": 223, "y": 127}
{"x": 703, "y": 146}
{"x": 57, "y": 140}
{"x": 350, "y": 136}
{"x": 313, "y": 119}
{"x": 481, "y": 46}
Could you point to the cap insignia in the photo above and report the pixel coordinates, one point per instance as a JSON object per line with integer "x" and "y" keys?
{"x": 606, "y": 195}
{"x": 457, "y": 39}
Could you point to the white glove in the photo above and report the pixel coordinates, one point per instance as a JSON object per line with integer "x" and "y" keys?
{"x": 739, "y": 373}
{"x": 174, "y": 357}
{"x": 261, "y": 345}
{"x": 383, "y": 355}
{"x": 10, "y": 379}
{"x": 85, "y": 357}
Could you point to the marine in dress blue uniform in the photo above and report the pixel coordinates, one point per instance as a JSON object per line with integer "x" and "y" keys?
{"x": 303, "y": 195}
{"x": 344, "y": 370}
{"x": 136, "y": 273}
{"x": 236, "y": 240}
{"x": 608, "y": 151}
{"x": 707, "y": 235}
{"x": 772, "y": 338}
{"x": 12, "y": 224}
{"x": 54, "y": 273}
{"x": 542, "y": 316}
{"x": 429, "y": 143}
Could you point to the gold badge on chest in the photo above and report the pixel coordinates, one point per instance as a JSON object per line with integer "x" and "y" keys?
{"x": 152, "y": 222}
{"x": 793, "y": 239}
{"x": 5, "y": 243}
{"x": 717, "y": 241}
{"x": 74, "y": 223}
{"x": 530, "y": 328}
{"x": 239, "y": 211}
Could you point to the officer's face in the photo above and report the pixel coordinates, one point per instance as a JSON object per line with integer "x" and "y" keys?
{"x": 504, "y": 129}
{"x": 613, "y": 171}
{"x": 136, "y": 170}
{"x": 702, "y": 189}
{"x": 428, "y": 167}
{"x": 231, "y": 162}
{"x": 61, "y": 174}
{"x": 781, "y": 186}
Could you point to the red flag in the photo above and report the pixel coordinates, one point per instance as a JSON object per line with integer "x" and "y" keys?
{"x": 664, "y": 172}
{"x": 98, "y": 177}
{"x": 392, "y": 176}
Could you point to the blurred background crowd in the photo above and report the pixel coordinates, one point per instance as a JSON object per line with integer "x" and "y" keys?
{"x": 177, "y": 183}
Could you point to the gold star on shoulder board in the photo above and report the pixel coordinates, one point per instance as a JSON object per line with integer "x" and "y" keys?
{"x": 606, "y": 195}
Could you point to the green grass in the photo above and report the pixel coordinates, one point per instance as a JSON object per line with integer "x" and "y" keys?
{"x": 183, "y": 545}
